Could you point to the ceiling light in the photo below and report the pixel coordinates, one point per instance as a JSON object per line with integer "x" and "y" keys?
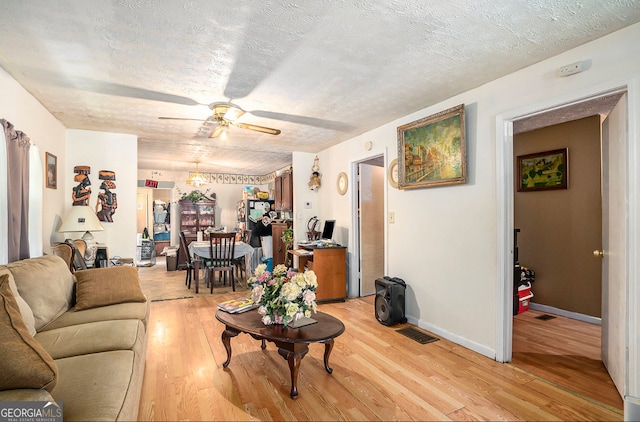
{"x": 196, "y": 179}
{"x": 233, "y": 113}
{"x": 223, "y": 135}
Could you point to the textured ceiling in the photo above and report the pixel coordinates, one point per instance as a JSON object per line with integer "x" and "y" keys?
{"x": 321, "y": 71}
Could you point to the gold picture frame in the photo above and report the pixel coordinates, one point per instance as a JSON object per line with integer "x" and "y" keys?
{"x": 547, "y": 170}
{"x": 51, "y": 174}
{"x": 432, "y": 150}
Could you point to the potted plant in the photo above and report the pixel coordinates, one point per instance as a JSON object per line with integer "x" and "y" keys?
{"x": 195, "y": 195}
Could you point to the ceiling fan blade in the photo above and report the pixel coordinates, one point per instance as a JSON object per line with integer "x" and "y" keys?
{"x": 180, "y": 118}
{"x": 262, "y": 129}
{"x": 217, "y": 131}
{"x": 304, "y": 120}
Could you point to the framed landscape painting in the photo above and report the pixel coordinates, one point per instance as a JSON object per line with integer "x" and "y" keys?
{"x": 543, "y": 170}
{"x": 432, "y": 151}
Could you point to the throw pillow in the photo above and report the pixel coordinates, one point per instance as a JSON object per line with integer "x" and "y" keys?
{"x": 107, "y": 286}
{"x": 25, "y": 310}
{"x": 24, "y": 363}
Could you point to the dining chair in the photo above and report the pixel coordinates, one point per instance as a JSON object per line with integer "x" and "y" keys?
{"x": 65, "y": 251}
{"x": 221, "y": 250}
{"x": 188, "y": 259}
{"x": 240, "y": 262}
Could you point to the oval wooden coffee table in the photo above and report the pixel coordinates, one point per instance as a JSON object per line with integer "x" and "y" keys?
{"x": 292, "y": 343}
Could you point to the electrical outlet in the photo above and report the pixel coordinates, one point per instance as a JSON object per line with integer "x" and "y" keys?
{"x": 570, "y": 69}
{"x": 392, "y": 217}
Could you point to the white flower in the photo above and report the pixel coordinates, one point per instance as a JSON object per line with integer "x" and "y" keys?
{"x": 307, "y": 313}
{"x": 256, "y": 293}
{"x": 290, "y": 291}
{"x": 299, "y": 280}
{"x": 266, "y": 320}
{"x": 280, "y": 270}
{"x": 292, "y": 308}
{"x": 260, "y": 269}
{"x": 311, "y": 278}
{"x": 309, "y": 296}
{"x": 262, "y": 310}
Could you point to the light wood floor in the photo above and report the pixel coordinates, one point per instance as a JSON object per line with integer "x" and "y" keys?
{"x": 378, "y": 373}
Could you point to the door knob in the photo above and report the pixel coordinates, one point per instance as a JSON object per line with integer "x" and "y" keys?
{"x": 598, "y": 253}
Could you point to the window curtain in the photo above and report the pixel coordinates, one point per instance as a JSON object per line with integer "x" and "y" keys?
{"x": 4, "y": 209}
{"x": 17, "y": 151}
{"x": 36, "y": 188}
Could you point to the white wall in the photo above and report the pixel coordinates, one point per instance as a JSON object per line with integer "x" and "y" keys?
{"x": 107, "y": 151}
{"x": 444, "y": 240}
{"x": 28, "y": 115}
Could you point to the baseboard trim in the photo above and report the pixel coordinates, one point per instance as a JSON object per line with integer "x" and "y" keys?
{"x": 568, "y": 314}
{"x": 462, "y": 341}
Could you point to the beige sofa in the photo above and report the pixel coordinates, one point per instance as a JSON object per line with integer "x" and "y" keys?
{"x": 79, "y": 339}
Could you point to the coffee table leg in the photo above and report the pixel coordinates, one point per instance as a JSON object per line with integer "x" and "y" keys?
{"x": 226, "y": 340}
{"x": 294, "y": 359}
{"x": 328, "y": 347}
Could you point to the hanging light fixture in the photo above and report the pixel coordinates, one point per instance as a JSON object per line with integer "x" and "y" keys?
{"x": 197, "y": 179}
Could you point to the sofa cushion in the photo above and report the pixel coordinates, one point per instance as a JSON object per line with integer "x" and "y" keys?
{"x": 25, "y": 310}
{"x": 100, "y": 386}
{"x": 46, "y": 284}
{"x": 107, "y": 286}
{"x": 138, "y": 311}
{"x": 95, "y": 337}
{"x": 24, "y": 364}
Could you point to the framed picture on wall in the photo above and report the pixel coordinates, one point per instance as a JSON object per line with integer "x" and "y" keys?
{"x": 543, "y": 170}
{"x": 52, "y": 171}
{"x": 432, "y": 150}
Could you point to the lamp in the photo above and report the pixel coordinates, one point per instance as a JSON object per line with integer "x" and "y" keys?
{"x": 81, "y": 218}
{"x": 196, "y": 179}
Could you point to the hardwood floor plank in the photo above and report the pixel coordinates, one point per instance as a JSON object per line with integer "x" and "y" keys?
{"x": 378, "y": 374}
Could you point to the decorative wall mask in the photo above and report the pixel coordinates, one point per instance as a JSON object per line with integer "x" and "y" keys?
{"x": 82, "y": 192}
{"x": 107, "y": 200}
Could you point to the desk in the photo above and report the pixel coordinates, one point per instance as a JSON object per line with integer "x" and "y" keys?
{"x": 330, "y": 266}
{"x": 292, "y": 343}
{"x": 201, "y": 250}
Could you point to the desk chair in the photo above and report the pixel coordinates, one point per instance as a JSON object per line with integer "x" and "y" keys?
{"x": 221, "y": 249}
{"x": 188, "y": 259}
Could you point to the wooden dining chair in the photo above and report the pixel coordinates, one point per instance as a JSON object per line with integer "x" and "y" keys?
{"x": 188, "y": 259}
{"x": 221, "y": 250}
{"x": 240, "y": 262}
{"x": 65, "y": 251}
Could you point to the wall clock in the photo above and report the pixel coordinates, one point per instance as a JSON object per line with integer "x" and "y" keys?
{"x": 392, "y": 174}
{"x": 343, "y": 183}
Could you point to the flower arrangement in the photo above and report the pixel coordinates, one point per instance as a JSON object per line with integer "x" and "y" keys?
{"x": 195, "y": 195}
{"x": 284, "y": 296}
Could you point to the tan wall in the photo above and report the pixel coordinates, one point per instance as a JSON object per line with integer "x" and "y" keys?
{"x": 561, "y": 228}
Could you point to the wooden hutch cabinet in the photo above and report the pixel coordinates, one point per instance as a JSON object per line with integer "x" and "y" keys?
{"x": 195, "y": 217}
{"x": 284, "y": 192}
{"x": 279, "y": 250}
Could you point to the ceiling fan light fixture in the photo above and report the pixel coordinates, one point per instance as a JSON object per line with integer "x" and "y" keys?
{"x": 223, "y": 135}
{"x": 233, "y": 113}
{"x": 197, "y": 179}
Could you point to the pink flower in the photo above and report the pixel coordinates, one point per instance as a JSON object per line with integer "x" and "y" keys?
{"x": 308, "y": 296}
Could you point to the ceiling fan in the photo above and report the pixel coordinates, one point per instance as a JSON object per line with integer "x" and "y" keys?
{"x": 224, "y": 115}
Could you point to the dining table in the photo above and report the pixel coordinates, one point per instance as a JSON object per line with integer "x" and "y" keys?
{"x": 200, "y": 251}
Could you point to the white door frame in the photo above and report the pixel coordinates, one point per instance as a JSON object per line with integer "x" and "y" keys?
{"x": 505, "y": 225}
{"x": 353, "y": 287}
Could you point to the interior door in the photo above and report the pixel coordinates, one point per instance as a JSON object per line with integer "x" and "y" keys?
{"x": 371, "y": 205}
{"x": 614, "y": 135}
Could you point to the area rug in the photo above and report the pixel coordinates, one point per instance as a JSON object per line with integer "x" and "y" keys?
{"x": 160, "y": 284}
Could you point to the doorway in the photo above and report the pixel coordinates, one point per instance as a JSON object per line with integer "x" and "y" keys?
{"x": 616, "y": 266}
{"x": 371, "y": 179}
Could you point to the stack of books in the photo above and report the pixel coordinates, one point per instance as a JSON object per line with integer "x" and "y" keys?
{"x": 235, "y": 306}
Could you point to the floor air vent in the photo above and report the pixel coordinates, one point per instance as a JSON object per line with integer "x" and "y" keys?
{"x": 545, "y": 317}
{"x": 416, "y": 335}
